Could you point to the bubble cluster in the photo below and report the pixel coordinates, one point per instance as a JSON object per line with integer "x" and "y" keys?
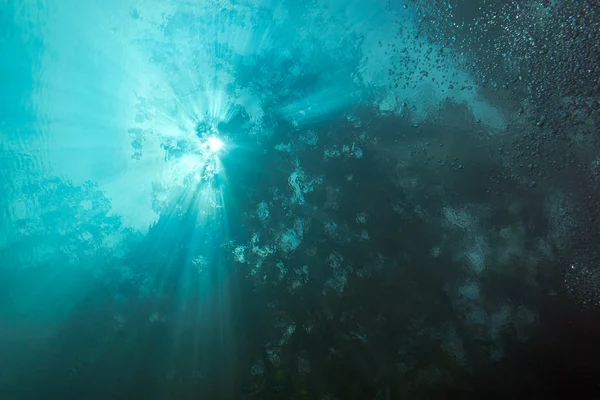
{"x": 582, "y": 284}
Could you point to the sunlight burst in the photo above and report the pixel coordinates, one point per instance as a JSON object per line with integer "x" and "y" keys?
{"x": 214, "y": 144}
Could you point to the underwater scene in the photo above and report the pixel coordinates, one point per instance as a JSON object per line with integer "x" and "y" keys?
{"x": 299, "y": 199}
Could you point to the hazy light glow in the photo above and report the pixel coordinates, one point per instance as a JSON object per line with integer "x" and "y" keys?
{"x": 214, "y": 144}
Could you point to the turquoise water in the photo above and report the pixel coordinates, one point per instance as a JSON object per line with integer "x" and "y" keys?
{"x": 296, "y": 199}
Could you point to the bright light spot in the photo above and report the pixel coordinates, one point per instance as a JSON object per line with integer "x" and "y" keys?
{"x": 214, "y": 144}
